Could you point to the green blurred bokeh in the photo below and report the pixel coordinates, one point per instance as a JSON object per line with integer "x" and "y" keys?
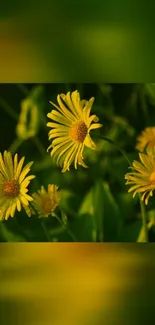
{"x": 61, "y": 41}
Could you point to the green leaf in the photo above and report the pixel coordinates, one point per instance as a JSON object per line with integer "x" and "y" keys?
{"x": 69, "y": 202}
{"x": 126, "y": 205}
{"x": 87, "y": 205}
{"x": 83, "y": 228}
{"x": 98, "y": 204}
{"x": 101, "y": 206}
{"x": 150, "y": 91}
{"x": 118, "y": 167}
{"x": 130, "y": 232}
{"x": 10, "y": 234}
{"x": 106, "y": 212}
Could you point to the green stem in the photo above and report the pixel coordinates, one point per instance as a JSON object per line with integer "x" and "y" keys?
{"x": 8, "y": 109}
{"x": 144, "y": 220}
{"x": 45, "y": 231}
{"x": 65, "y": 227}
{"x": 114, "y": 144}
{"x": 15, "y": 145}
{"x": 39, "y": 145}
{"x": 23, "y": 89}
{"x": 42, "y": 223}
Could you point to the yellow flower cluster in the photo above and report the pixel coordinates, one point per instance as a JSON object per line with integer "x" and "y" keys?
{"x": 70, "y": 126}
{"x": 14, "y": 193}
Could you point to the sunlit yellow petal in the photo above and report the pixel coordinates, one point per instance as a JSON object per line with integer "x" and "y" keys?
{"x": 89, "y": 142}
{"x": 56, "y": 116}
{"x": 15, "y": 163}
{"x": 64, "y": 109}
{"x": 60, "y": 145}
{"x": 25, "y": 171}
{"x": 8, "y": 163}
{"x": 63, "y": 151}
{"x": 70, "y": 157}
{"x": 19, "y": 168}
{"x": 3, "y": 168}
{"x": 95, "y": 126}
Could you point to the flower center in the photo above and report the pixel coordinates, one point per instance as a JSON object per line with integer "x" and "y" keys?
{"x": 152, "y": 178}
{"x": 78, "y": 132}
{"x": 48, "y": 205}
{"x": 11, "y": 188}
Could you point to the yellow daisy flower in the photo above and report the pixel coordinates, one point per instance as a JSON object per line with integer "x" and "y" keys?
{"x": 13, "y": 185}
{"x": 146, "y": 140}
{"x": 142, "y": 177}
{"x": 45, "y": 202}
{"x": 71, "y": 127}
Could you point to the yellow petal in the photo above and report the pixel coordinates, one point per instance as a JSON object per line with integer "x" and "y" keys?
{"x": 25, "y": 171}
{"x": 88, "y": 142}
{"x": 19, "y": 168}
{"x": 3, "y": 169}
{"x": 9, "y": 164}
{"x": 15, "y": 163}
{"x": 95, "y": 126}
{"x": 58, "y": 117}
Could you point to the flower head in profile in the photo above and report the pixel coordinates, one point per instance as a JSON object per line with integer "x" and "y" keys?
{"x": 30, "y": 115}
{"x": 70, "y": 129}
{"x": 45, "y": 202}
{"x": 146, "y": 140}
{"x": 27, "y": 126}
{"x": 13, "y": 185}
{"x": 142, "y": 177}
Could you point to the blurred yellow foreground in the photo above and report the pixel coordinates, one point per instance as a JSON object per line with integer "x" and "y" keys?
{"x": 71, "y": 284}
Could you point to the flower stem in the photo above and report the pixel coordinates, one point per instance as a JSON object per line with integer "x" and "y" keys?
{"x": 23, "y": 89}
{"x": 39, "y": 145}
{"x": 8, "y": 109}
{"x": 114, "y": 144}
{"x": 15, "y": 145}
{"x": 65, "y": 227}
{"x": 144, "y": 221}
{"x": 45, "y": 231}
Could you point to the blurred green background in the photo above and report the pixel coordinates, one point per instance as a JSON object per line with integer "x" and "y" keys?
{"x": 95, "y": 200}
{"x": 59, "y": 41}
